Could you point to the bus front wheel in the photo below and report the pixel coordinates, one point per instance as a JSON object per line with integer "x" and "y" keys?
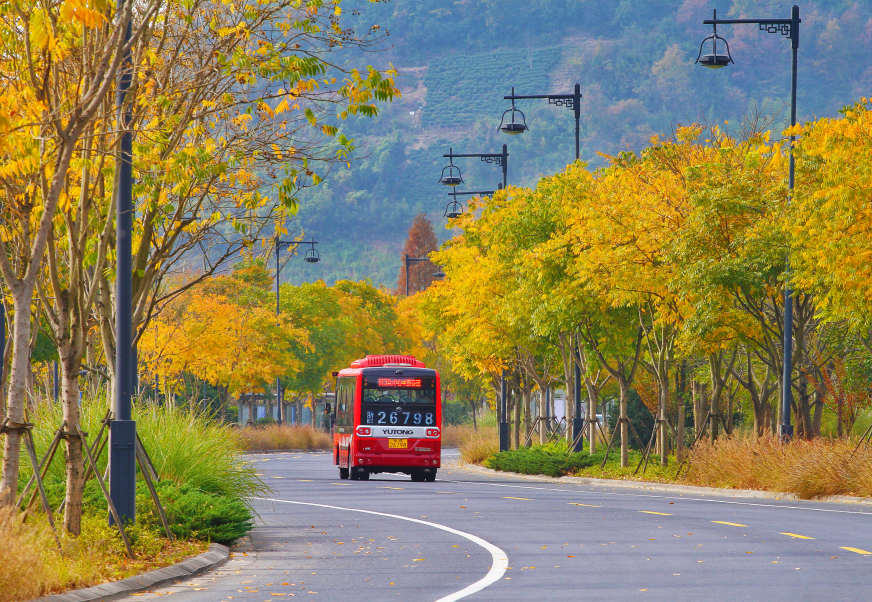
{"x": 430, "y": 475}
{"x": 343, "y": 473}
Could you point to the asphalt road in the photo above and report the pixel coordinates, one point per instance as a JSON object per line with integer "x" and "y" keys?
{"x": 445, "y": 540}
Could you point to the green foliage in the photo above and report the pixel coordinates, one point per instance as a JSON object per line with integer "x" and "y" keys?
{"x": 455, "y": 413}
{"x": 553, "y": 460}
{"x": 195, "y": 513}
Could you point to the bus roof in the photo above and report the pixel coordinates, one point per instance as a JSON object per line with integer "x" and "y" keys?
{"x": 375, "y": 361}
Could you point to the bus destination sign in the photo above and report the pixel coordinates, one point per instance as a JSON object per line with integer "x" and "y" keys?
{"x": 400, "y": 382}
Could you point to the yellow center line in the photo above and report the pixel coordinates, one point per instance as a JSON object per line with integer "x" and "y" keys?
{"x": 391, "y": 487}
{"x": 340, "y": 483}
{"x": 586, "y": 505}
{"x": 797, "y": 536}
{"x": 305, "y": 480}
{"x": 652, "y": 512}
{"x": 720, "y": 522}
{"x": 858, "y": 551}
{"x": 446, "y": 492}
{"x": 518, "y": 498}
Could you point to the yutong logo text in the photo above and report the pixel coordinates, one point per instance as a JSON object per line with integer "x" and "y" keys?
{"x": 398, "y": 432}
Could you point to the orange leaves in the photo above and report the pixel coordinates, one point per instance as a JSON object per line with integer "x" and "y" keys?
{"x": 82, "y": 12}
{"x": 223, "y": 335}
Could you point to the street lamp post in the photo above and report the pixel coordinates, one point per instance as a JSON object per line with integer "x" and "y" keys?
{"x": 122, "y": 429}
{"x": 312, "y": 256}
{"x": 502, "y": 160}
{"x": 570, "y": 101}
{"x": 409, "y": 262}
{"x": 513, "y": 128}
{"x": 788, "y": 28}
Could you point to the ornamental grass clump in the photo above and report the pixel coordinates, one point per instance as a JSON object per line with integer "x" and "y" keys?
{"x": 480, "y": 446}
{"x": 809, "y": 469}
{"x": 284, "y": 437}
{"x": 187, "y": 447}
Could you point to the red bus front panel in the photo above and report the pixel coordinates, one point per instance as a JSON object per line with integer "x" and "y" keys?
{"x": 388, "y": 419}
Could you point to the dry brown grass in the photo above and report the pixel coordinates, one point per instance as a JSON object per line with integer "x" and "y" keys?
{"x": 453, "y": 435}
{"x": 284, "y": 437}
{"x": 809, "y": 469}
{"x": 33, "y": 566}
{"x": 479, "y": 445}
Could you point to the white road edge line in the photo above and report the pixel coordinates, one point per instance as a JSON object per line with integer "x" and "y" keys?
{"x": 500, "y": 559}
{"x": 661, "y": 497}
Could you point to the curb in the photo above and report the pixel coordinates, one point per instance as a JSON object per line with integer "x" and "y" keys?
{"x": 649, "y": 486}
{"x": 114, "y": 590}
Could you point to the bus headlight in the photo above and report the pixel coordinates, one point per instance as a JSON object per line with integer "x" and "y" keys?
{"x": 433, "y": 432}
{"x": 363, "y": 431}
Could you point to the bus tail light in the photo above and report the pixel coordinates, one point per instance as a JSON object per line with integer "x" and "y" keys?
{"x": 363, "y": 431}
{"x": 432, "y": 432}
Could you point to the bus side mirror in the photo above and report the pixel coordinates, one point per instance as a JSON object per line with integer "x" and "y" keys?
{"x": 328, "y": 409}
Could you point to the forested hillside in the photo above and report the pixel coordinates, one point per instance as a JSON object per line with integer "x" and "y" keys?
{"x": 633, "y": 59}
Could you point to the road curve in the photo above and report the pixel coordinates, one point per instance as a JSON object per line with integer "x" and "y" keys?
{"x": 391, "y": 539}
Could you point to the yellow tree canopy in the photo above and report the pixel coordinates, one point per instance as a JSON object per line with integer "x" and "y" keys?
{"x": 831, "y": 221}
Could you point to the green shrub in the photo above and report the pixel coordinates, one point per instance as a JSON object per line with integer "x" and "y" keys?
{"x": 193, "y": 513}
{"x": 553, "y": 460}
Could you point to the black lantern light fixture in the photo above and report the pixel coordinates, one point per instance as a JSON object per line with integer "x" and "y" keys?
{"x": 453, "y": 177}
{"x": 312, "y": 255}
{"x": 570, "y": 101}
{"x": 714, "y": 60}
{"x": 455, "y": 207}
{"x": 513, "y": 128}
{"x": 499, "y": 159}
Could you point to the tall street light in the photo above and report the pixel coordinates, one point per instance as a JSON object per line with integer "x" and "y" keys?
{"x": 410, "y": 260}
{"x": 454, "y": 178}
{"x": 513, "y": 128}
{"x": 570, "y": 101}
{"x": 122, "y": 429}
{"x": 788, "y": 28}
{"x": 311, "y": 256}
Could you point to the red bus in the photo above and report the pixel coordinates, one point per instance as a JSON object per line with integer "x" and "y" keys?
{"x": 387, "y": 417}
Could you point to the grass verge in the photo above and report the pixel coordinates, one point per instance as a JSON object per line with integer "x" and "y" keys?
{"x": 33, "y": 566}
{"x": 809, "y": 469}
{"x": 205, "y": 485}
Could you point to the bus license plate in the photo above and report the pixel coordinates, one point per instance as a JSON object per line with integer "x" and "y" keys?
{"x": 398, "y": 443}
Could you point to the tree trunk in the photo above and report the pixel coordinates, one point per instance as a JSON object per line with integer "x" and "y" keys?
{"x": 16, "y": 399}
{"x": 75, "y": 462}
{"x": 625, "y": 431}
{"x": 698, "y": 392}
{"x": 664, "y": 429}
{"x": 528, "y": 398}
{"x": 679, "y": 447}
{"x": 516, "y": 427}
{"x": 544, "y": 402}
